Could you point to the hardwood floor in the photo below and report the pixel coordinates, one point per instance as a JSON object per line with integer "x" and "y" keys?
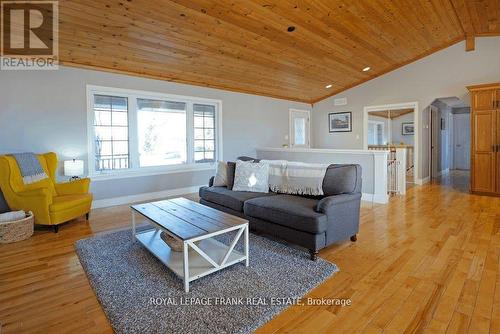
{"x": 426, "y": 262}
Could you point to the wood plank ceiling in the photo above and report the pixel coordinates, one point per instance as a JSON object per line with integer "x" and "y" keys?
{"x": 245, "y": 45}
{"x": 479, "y": 17}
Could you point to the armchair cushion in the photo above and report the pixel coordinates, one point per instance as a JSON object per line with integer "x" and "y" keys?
{"x": 66, "y": 202}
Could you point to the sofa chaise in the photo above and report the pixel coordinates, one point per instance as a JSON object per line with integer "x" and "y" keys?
{"x": 313, "y": 222}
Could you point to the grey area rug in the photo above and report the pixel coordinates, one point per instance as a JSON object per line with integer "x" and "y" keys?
{"x": 125, "y": 277}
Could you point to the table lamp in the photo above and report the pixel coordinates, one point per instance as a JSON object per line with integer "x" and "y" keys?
{"x": 73, "y": 169}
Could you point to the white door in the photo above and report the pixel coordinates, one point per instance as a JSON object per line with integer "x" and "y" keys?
{"x": 299, "y": 128}
{"x": 461, "y": 141}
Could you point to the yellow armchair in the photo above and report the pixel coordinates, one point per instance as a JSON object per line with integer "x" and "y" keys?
{"x": 52, "y": 203}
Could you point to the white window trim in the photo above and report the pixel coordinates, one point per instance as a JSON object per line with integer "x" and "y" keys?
{"x": 131, "y": 94}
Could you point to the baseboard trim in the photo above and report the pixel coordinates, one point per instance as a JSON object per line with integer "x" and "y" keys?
{"x": 375, "y": 198}
{"x": 423, "y": 181}
{"x": 107, "y": 202}
{"x": 444, "y": 172}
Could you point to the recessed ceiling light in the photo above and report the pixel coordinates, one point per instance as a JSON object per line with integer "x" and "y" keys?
{"x": 366, "y": 69}
{"x": 328, "y": 86}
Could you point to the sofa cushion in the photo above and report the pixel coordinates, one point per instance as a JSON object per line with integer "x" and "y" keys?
{"x": 228, "y": 198}
{"x": 231, "y": 168}
{"x": 292, "y": 211}
{"x": 220, "y": 178}
{"x": 342, "y": 179}
{"x": 245, "y": 158}
{"x": 252, "y": 177}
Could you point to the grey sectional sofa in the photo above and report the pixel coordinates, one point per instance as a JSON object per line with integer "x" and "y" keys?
{"x": 310, "y": 222}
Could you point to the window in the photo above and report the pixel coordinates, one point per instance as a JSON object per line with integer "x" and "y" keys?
{"x": 300, "y": 131}
{"x": 299, "y": 128}
{"x": 162, "y": 132}
{"x": 204, "y": 133}
{"x": 111, "y": 132}
{"x": 134, "y": 132}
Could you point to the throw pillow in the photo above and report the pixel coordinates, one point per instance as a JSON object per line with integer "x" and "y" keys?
{"x": 220, "y": 179}
{"x": 251, "y": 176}
{"x": 231, "y": 168}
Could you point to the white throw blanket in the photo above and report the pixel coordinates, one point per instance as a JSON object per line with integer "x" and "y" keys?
{"x": 296, "y": 178}
{"x": 12, "y": 216}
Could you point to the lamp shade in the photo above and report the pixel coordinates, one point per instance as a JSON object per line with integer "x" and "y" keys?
{"x": 73, "y": 167}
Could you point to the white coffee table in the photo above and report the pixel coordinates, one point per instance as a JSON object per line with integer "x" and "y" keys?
{"x": 195, "y": 225}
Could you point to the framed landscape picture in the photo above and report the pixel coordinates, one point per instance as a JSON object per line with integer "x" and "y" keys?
{"x": 340, "y": 122}
{"x": 407, "y": 129}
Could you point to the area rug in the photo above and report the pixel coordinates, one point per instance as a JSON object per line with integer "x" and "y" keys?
{"x": 140, "y": 295}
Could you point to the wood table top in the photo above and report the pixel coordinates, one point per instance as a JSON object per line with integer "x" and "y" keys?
{"x": 187, "y": 219}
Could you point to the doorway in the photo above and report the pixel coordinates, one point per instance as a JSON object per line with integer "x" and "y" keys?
{"x": 300, "y": 128}
{"x": 449, "y": 142}
{"x": 394, "y": 127}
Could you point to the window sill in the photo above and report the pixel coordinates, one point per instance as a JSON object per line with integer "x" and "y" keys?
{"x": 151, "y": 172}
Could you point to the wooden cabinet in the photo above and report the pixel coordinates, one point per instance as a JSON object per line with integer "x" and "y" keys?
{"x": 484, "y": 99}
{"x": 484, "y": 151}
{"x": 498, "y": 142}
{"x": 485, "y": 139}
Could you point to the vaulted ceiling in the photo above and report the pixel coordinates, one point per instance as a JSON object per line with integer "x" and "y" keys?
{"x": 246, "y": 45}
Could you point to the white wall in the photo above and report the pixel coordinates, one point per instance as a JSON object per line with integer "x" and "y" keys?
{"x": 444, "y": 73}
{"x": 373, "y": 165}
{"x": 44, "y": 111}
{"x": 445, "y": 139}
{"x": 396, "y": 130}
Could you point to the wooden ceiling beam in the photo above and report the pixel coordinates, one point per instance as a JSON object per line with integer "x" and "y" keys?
{"x": 462, "y": 13}
{"x": 470, "y": 43}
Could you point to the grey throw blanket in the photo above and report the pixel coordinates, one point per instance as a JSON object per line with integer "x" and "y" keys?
{"x": 30, "y": 167}
{"x": 296, "y": 178}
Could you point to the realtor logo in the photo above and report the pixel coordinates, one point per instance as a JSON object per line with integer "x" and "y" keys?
{"x": 29, "y": 35}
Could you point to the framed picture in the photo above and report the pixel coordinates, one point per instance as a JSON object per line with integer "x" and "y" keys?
{"x": 340, "y": 121}
{"x": 407, "y": 129}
